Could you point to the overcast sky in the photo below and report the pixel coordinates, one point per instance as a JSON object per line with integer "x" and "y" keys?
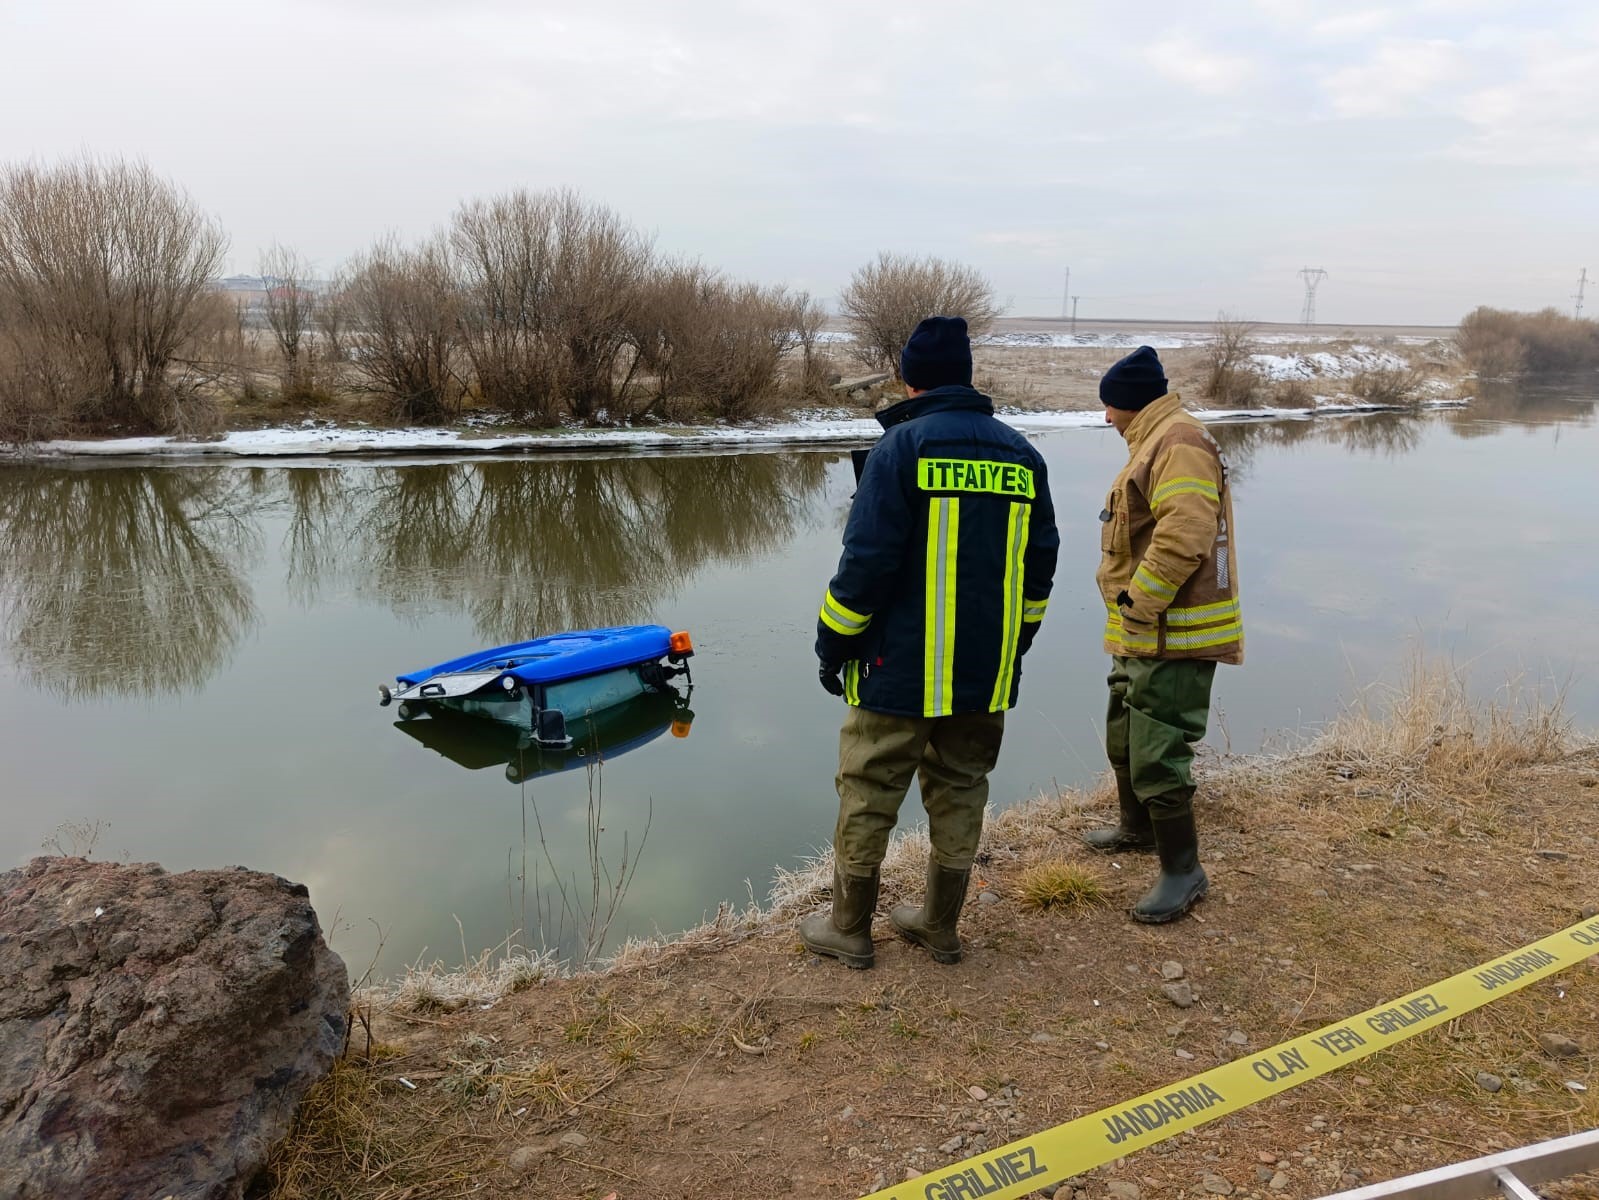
{"x": 1179, "y": 158}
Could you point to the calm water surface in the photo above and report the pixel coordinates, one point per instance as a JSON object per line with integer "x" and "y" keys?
{"x": 188, "y": 655}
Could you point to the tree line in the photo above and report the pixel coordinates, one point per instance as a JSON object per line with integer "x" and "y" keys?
{"x": 544, "y": 306}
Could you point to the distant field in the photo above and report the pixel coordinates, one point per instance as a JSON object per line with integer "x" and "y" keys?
{"x": 1043, "y": 363}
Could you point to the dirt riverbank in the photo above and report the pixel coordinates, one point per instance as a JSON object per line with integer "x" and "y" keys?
{"x": 1395, "y": 850}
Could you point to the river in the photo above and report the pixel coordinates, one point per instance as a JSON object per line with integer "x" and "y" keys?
{"x": 189, "y": 654}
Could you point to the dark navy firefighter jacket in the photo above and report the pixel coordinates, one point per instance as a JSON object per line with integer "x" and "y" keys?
{"x": 949, "y": 555}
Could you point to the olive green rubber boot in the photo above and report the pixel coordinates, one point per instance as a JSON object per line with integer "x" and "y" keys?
{"x": 845, "y": 933}
{"x": 1133, "y": 831}
{"x": 933, "y": 924}
{"x": 1182, "y": 882}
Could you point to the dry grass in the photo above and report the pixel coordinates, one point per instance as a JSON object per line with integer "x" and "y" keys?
{"x": 347, "y": 1142}
{"x": 482, "y": 979}
{"x": 1390, "y": 386}
{"x": 1428, "y": 731}
{"x": 1061, "y": 886}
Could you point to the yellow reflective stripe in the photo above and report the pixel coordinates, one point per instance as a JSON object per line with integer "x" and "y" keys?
{"x": 1115, "y": 632}
{"x": 1011, "y": 612}
{"x": 841, "y": 618}
{"x": 1183, "y": 485}
{"x": 852, "y": 682}
{"x": 938, "y": 666}
{"x": 1202, "y": 613}
{"x": 1208, "y": 493}
{"x": 1201, "y": 638}
{"x": 1179, "y": 480}
{"x": 951, "y": 554}
{"x": 974, "y": 475}
{"x": 1153, "y": 583}
{"x": 1117, "y": 637}
{"x": 1033, "y": 610}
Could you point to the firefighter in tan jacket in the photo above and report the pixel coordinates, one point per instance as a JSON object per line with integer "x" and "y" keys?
{"x": 1168, "y": 574}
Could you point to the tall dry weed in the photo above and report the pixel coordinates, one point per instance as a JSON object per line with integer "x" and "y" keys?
{"x": 1230, "y": 380}
{"x": 1428, "y": 735}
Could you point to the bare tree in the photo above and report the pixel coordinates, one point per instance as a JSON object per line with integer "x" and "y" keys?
{"x": 808, "y": 316}
{"x": 503, "y": 251}
{"x": 330, "y": 319}
{"x": 291, "y": 308}
{"x": 102, "y": 268}
{"x": 596, "y": 280}
{"x": 551, "y": 287}
{"x": 405, "y": 329}
{"x": 885, "y": 299}
{"x": 713, "y": 345}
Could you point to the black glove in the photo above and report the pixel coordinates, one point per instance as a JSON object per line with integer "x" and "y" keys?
{"x": 1123, "y": 600}
{"x": 1029, "y": 632}
{"x": 831, "y": 683}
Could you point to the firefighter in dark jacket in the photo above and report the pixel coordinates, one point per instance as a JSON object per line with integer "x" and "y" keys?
{"x": 949, "y": 554}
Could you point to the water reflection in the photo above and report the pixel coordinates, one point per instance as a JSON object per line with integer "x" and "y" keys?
{"x": 125, "y": 582}
{"x": 1389, "y": 435}
{"x": 528, "y": 549}
{"x": 132, "y": 581}
{"x": 1526, "y": 403}
{"x": 477, "y": 743}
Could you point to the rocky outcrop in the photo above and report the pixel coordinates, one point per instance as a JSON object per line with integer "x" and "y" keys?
{"x": 156, "y": 1031}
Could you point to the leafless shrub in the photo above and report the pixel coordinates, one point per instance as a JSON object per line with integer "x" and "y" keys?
{"x": 815, "y": 368}
{"x": 596, "y": 278}
{"x": 221, "y": 355}
{"x": 1229, "y": 378}
{"x": 102, "y": 268}
{"x": 885, "y": 299}
{"x": 1292, "y": 393}
{"x": 504, "y": 251}
{"x": 331, "y": 319}
{"x": 291, "y": 309}
{"x": 707, "y": 344}
{"x": 405, "y": 332}
{"x": 1497, "y": 343}
{"x": 551, "y": 288}
{"x": 1397, "y": 386}
{"x": 38, "y": 389}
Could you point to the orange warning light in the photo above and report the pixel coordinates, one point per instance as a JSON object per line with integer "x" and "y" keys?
{"x": 681, "y": 643}
{"x": 680, "y": 728}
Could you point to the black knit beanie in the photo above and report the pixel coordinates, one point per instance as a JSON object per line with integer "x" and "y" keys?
{"x": 1134, "y": 381}
{"x": 939, "y": 352}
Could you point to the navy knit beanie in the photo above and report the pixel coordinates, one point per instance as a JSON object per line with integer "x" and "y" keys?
{"x": 939, "y": 352}
{"x": 1134, "y": 381}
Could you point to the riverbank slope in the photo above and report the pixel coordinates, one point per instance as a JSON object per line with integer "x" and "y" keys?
{"x": 1399, "y": 847}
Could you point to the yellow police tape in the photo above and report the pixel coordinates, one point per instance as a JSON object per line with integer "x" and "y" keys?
{"x": 1087, "y": 1142}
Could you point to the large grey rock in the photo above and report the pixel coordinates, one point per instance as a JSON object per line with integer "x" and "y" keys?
{"x": 156, "y": 1031}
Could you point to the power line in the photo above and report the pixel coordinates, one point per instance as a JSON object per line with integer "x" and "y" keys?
{"x": 1312, "y": 277}
{"x": 1582, "y": 286}
{"x": 1065, "y": 292}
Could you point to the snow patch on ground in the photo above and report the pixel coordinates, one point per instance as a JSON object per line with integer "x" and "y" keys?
{"x": 823, "y": 429}
{"x": 1326, "y": 365}
{"x": 1166, "y": 339}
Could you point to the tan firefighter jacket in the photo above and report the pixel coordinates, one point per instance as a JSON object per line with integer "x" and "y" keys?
{"x": 1167, "y": 540}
